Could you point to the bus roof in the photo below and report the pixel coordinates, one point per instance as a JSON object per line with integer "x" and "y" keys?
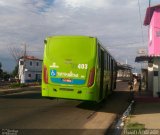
{"x": 71, "y": 36}
{"x": 82, "y": 36}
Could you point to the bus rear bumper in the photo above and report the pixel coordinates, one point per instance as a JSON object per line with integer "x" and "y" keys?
{"x": 78, "y": 93}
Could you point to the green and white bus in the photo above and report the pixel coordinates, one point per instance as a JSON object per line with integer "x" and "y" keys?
{"x": 77, "y": 67}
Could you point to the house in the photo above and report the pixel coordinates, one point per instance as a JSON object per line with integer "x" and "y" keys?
{"x": 152, "y": 18}
{"x": 30, "y": 69}
{"x": 124, "y": 72}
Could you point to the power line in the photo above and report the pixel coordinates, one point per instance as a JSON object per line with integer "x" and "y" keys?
{"x": 126, "y": 45}
{"x": 140, "y": 16}
{"x": 34, "y": 51}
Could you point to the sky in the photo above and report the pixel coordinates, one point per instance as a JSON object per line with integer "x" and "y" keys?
{"x": 118, "y": 25}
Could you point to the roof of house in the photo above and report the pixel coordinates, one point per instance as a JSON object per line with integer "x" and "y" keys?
{"x": 30, "y": 58}
{"x": 124, "y": 66}
{"x": 145, "y": 58}
{"x": 149, "y": 14}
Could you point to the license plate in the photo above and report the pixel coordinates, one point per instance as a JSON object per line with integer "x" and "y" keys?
{"x": 66, "y": 80}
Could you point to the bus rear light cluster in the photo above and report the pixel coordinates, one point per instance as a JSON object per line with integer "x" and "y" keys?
{"x": 45, "y": 74}
{"x": 91, "y": 77}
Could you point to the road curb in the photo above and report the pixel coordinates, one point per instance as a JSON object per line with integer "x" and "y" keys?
{"x": 17, "y": 90}
{"x": 120, "y": 123}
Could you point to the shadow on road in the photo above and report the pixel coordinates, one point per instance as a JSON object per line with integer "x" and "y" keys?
{"x": 115, "y": 103}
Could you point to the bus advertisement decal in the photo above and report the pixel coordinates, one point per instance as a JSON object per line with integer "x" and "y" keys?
{"x": 68, "y": 81}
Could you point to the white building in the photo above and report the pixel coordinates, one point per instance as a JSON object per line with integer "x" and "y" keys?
{"x": 30, "y": 69}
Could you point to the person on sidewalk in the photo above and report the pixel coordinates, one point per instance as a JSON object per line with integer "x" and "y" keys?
{"x": 140, "y": 84}
{"x": 131, "y": 90}
{"x": 134, "y": 83}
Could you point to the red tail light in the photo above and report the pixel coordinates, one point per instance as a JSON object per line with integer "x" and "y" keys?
{"x": 45, "y": 74}
{"x": 91, "y": 77}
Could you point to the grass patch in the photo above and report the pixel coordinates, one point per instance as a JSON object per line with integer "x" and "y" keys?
{"x": 135, "y": 125}
{"x": 132, "y": 116}
{"x": 134, "y": 128}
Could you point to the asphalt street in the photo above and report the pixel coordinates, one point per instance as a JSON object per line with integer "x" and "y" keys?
{"x": 29, "y": 111}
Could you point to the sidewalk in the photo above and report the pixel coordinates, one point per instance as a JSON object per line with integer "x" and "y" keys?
{"x": 146, "y": 111}
{"x": 147, "y": 114}
{"x": 16, "y": 90}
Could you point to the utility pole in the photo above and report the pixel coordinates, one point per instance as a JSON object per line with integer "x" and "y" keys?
{"x": 24, "y": 50}
{"x": 24, "y": 57}
{"x": 149, "y": 3}
{"x": 126, "y": 61}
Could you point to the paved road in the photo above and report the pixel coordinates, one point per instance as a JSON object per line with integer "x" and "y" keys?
{"x": 28, "y": 110}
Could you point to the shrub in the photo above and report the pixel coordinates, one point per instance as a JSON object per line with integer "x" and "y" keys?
{"x": 18, "y": 85}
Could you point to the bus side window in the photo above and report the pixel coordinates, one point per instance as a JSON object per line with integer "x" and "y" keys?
{"x": 105, "y": 61}
{"x": 99, "y": 56}
{"x": 113, "y": 65}
{"x": 109, "y": 63}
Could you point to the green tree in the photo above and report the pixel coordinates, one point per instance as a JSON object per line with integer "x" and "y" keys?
{"x": 1, "y": 71}
{"x": 3, "y": 75}
{"x": 6, "y": 76}
{"x": 15, "y": 71}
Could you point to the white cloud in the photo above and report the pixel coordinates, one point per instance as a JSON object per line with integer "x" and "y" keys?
{"x": 39, "y": 4}
{"x": 2, "y": 3}
{"x": 30, "y": 21}
{"x": 87, "y": 3}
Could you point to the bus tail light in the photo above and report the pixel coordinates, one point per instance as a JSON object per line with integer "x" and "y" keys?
{"x": 45, "y": 74}
{"x": 91, "y": 77}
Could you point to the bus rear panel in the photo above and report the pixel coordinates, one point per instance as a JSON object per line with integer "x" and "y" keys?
{"x": 74, "y": 68}
{"x": 69, "y": 68}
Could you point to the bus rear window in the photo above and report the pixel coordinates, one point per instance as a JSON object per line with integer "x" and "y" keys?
{"x": 71, "y": 48}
